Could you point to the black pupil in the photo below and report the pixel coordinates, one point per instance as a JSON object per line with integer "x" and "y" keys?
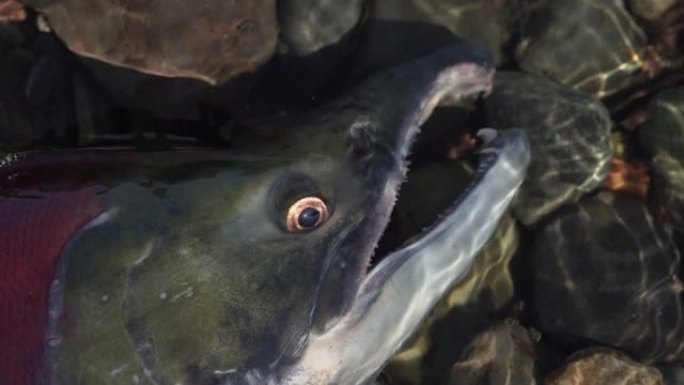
{"x": 309, "y": 217}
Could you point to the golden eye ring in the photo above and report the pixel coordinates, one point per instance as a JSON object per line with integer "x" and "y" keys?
{"x": 306, "y": 214}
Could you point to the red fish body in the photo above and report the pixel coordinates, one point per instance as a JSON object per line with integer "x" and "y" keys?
{"x": 35, "y": 226}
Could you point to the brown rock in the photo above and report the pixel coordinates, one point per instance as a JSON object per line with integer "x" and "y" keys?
{"x": 604, "y": 367}
{"x": 10, "y": 10}
{"x": 211, "y": 40}
{"x": 502, "y": 355}
{"x": 606, "y": 270}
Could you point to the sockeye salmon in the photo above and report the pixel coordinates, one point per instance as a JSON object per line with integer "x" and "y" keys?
{"x": 206, "y": 267}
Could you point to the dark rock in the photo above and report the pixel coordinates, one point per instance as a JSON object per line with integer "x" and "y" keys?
{"x": 569, "y": 133}
{"x": 14, "y": 68}
{"x": 592, "y": 45}
{"x": 309, "y": 25}
{"x": 482, "y": 22}
{"x": 663, "y": 138}
{"x": 12, "y": 36}
{"x": 673, "y": 373}
{"x": 650, "y": 9}
{"x": 605, "y": 272}
{"x": 45, "y": 77}
{"x": 398, "y": 30}
{"x": 36, "y": 98}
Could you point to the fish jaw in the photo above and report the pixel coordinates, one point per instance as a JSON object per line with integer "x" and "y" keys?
{"x": 383, "y": 118}
{"x": 401, "y": 290}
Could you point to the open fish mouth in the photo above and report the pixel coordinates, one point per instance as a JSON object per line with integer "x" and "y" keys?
{"x": 397, "y": 293}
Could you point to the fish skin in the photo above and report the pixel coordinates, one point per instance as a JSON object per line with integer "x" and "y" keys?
{"x": 188, "y": 274}
{"x": 35, "y": 228}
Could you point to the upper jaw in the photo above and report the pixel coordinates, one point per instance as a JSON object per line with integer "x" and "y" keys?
{"x": 398, "y": 101}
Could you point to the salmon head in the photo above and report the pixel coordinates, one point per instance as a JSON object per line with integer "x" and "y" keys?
{"x": 204, "y": 267}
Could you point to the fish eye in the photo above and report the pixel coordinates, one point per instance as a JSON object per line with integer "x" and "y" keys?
{"x": 306, "y": 214}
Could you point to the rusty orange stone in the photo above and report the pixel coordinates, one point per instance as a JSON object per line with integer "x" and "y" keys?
{"x": 628, "y": 177}
{"x": 10, "y": 10}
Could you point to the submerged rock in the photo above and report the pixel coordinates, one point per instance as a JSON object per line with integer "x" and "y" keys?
{"x": 591, "y": 45}
{"x": 482, "y": 22}
{"x": 605, "y": 272}
{"x": 398, "y": 30}
{"x": 650, "y": 9}
{"x": 569, "y": 133}
{"x": 209, "y": 40}
{"x": 11, "y": 10}
{"x": 36, "y": 103}
{"x": 673, "y": 373}
{"x": 604, "y": 367}
{"x": 502, "y": 355}
{"x": 310, "y": 25}
{"x": 663, "y": 138}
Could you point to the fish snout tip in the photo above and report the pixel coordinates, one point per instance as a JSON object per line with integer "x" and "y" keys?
{"x": 520, "y": 151}
{"x": 513, "y": 142}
